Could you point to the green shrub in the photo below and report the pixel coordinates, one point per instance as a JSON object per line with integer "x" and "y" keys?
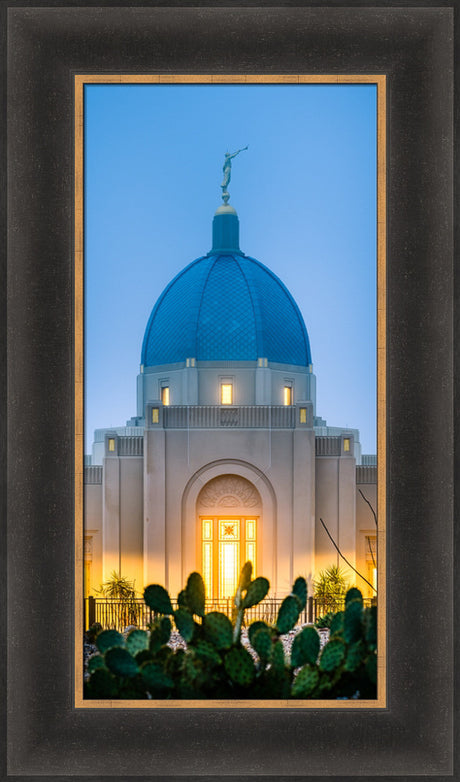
{"x": 216, "y": 665}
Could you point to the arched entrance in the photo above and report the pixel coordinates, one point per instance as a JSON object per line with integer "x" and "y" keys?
{"x": 229, "y": 511}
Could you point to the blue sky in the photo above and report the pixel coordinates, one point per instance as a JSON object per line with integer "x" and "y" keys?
{"x": 305, "y": 193}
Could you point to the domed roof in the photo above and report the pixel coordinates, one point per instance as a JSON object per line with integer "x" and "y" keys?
{"x": 226, "y": 308}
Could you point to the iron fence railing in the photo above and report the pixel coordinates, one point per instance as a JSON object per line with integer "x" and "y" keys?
{"x": 117, "y": 614}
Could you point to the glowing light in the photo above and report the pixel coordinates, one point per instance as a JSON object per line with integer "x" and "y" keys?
{"x": 303, "y": 415}
{"x": 287, "y": 397}
{"x": 226, "y": 394}
{"x": 155, "y": 415}
{"x": 111, "y": 444}
{"x": 229, "y": 567}
{"x": 346, "y": 444}
{"x": 165, "y": 395}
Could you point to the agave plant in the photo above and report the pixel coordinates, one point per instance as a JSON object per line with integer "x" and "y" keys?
{"x": 125, "y": 610}
{"x": 331, "y": 587}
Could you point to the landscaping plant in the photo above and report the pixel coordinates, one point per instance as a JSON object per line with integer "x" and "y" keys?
{"x": 215, "y": 664}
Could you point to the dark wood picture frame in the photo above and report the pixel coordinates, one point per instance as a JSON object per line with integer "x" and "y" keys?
{"x": 47, "y": 45}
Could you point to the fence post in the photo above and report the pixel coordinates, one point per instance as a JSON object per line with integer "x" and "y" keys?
{"x": 310, "y": 611}
{"x": 91, "y": 611}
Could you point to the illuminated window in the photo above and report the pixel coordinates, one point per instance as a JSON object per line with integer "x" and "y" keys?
{"x": 303, "y": 415}
{"x": 226, "y": 394}
{"x": 346, "y": 443}
{"x": 155, "y": 415}
{"x": 287, "y": 396}
{"x": 165, "y": 395}
{"x": 226, "y": 544}
{"x": 111, "y": 444}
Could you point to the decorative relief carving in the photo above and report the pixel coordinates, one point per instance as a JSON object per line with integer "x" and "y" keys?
{"x": 229, "y": 491}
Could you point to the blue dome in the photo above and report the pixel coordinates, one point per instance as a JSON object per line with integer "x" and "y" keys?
{"x": 226, "y": 306}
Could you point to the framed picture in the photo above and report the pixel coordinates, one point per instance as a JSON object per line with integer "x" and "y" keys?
{"x": 198, "y": 478}
{"x": 55, "y": 737}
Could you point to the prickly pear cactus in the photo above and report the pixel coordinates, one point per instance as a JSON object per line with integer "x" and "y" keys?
{"x": 353, "y": 594}
{"x": 184, "y": 623}
{"x": 288, "y": 614}
{"x": 157, "y": 599}
{"x": 216, "y": 665}
{"x": 337, "y": 624}
{"x": 299, "y": 589}
{"x": 155, "y": 678}
{"x": 352, "y": 621}
{"x": 195, "y": 594}
{"x": 109, "y": 638}
{"x": 256, "y": 591}
{"x": 370, "y": 627}
{"x": 240, "y": 666}
{"x": 332, "y": 655}
{"x": 137, "y": 641}
{"x": 305, "y": 682}
{"x": 120, "y": 662}
{"x": 355, "y": 656}
{"x": 218, "y": 630}
{"x": 277, "y": 658}
{"x": 305, "y": 648}
{"x": 261, "y": 641}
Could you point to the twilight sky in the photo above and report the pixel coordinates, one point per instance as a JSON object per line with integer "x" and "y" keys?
{"x": 305, "y": 193}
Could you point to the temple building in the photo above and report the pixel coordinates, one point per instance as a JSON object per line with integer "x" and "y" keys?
{"x": 226, "y": 458}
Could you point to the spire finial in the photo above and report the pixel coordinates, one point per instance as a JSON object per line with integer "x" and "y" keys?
{"x": 227, "y": 169}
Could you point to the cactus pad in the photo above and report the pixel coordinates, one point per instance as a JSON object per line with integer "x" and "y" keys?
{"x": 195, "y": 594}
{"x": 207, "y": 652}
{"x": 288, "y": 614}
{"x": 262, "y": 642}
{"x": 254, "y": 627}
{"x": 300, "y": 590}
{"x": 352, "y": 621}
{"x": 305, "y": 682}
{"x": 332, "y": 655}
{"x": 165, "y": 629}
{"x": 355, "y": 656}
{"x": 157, "y": 599}
{"x": 218, "y": 630}
{"x": 155, "y": 678}
{"x": 353, "y": 594}
{"x": 136, "y": 641}
{"x": 95, "y": 662}
{"x": 245, "y": 576}
{"x": 184, "y": 623}
{"x": 336, "y": 623}
{"x": 121, "y": 662}
{"x": 277, "y": 658}
{"x": 256, "y": 592}
{"x": 109, "y": 638}
{"x": 240, "y": 666}
{"x": 305, "y": 648}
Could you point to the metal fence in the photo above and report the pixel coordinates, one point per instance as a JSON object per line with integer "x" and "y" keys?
{"x": 117, "y": 615}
